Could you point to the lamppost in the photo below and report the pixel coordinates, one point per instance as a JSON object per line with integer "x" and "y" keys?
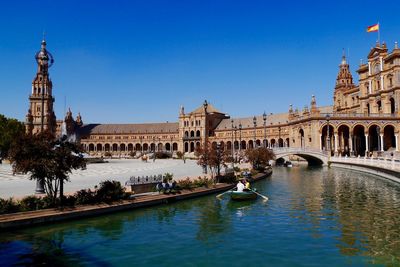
{"x": 279, "y": 134}
{"x": 328, "y": 138}
{"x": 240, "y": 137}
{"x": 141, "y": 145}
{"x": 265, "y": 130}
{"x": 154, "y": 148}
{"x": 205, "y": 105}
{"x": 255, "y": 125}
{"x": 235, "y": 130}
{"x": 232, "y": 144}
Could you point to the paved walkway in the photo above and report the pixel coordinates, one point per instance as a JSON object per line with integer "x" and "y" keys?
{"x": 115, "y": 169}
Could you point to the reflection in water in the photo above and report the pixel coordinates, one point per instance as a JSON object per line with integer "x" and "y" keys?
{"x": 212, "y": 220}
{"x": 330, "y": 217}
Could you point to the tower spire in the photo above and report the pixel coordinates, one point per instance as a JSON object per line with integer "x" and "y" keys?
{"x": 41, "y": 116}
{"x": 344, "y": 62}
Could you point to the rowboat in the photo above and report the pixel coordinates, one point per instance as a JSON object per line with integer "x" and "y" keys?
{"x": 245, "y": 195}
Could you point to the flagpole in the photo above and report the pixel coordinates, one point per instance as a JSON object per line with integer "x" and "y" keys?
{"x": 379, "y": 33}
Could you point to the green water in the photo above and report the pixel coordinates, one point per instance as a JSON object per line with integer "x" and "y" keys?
{"x": 315, "y": 217}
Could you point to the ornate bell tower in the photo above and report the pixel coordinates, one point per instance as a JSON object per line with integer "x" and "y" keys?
{"x": 344, "y": 84}
{"x": 41, "y": 115}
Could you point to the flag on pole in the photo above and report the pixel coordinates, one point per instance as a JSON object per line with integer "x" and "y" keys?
{"x": 373, "y": 28}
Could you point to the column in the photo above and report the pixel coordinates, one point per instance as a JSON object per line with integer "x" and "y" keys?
{"x": 381, "y": 82}
{"x": 396, "y": 141}
{"x": 369, "y": 68}
{"x": 336, "y": 143}
{"x": 351, "y": 144}
{"x": 366, "y": 144}
{"x": 382, "y": 146}
{"x": 370, "y": 87}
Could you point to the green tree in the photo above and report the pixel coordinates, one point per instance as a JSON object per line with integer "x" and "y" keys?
{"x": 259, "y": 157}
{"x": 209, "y": 156}
{"x": 9, "y": 130}
{"x": 46, "y": 159}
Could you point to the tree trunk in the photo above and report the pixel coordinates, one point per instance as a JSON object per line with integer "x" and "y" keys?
{"x": 61, "y": 192}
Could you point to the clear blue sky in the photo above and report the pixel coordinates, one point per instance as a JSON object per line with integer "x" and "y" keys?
{"x": 138, "y": 61}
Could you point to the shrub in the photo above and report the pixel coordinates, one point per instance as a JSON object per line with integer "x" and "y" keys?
{"x": 199, "y": 182}
{"x": 163, "y": 155}
{"x": 84, "y": 196}
{"x": 229, "y": 179}
{"x": 236, "y": 169}
{"x": 108, "y": 154}
{"x": 168, "y": 176}
{"x": 186, "y": 184}
{"x": 110, "y": 191}
{"x": 31, "y": 203}
{"x": 9, "y": 206}
{"x": 48, "y": 202}
{"x": 69, "y": 200}
{"x": 179, "y": 154}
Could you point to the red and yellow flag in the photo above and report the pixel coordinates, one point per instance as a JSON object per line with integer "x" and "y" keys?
{"x": 373, "y": 28}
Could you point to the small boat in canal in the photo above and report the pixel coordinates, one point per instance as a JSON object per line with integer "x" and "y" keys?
{"x": 288, "y": 164}
{"x": 244, "y": 195}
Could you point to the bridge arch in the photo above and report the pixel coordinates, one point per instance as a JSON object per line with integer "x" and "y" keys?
{"x": 313, "y": 157}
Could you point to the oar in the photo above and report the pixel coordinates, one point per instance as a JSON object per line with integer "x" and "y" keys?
{"x": 264, "y": 197}
{"x": 220, "y": 195}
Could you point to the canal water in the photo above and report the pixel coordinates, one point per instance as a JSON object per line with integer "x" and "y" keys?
{"x": 314, "y": 217}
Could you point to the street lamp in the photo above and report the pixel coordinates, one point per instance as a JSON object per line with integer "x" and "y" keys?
{"x": 141, "y": 145}
{"x": 235, "y": 130}
{"x": 205, "y": 105}
{"x": 240, "y": 137}
{"x": 265, "y": 129}
{"x": 279, "y": 135}
{"x": 154, "y": 148}
{"x": 255, "y": 125}
{"x": 232, "y": 142}
{"x": 328, "y": 138}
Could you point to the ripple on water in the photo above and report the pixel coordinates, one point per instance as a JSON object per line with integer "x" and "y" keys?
{"x": 315, "y": 217}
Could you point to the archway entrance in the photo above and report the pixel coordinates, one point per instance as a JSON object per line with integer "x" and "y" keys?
{"x": 301, "y": 137}
{"x": 186, "y": 147}
{"x": 280, "y": 142}
{"x": 374, "y": 143}
{"x": 359, "y": 141}
{"x": 327, "y": 144}
{"x": 389, "y": 139}
{"x": 344, "y": 137}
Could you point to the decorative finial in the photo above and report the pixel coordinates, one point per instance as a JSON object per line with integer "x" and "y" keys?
{"x": 361, "y": 61}
{"x": 344, "y": 62}
{"x": 395, "y": 45}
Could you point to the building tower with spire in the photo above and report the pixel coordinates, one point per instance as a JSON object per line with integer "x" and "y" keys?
{"x": 41, "y": 115}
{"x": 344, "y": 87}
